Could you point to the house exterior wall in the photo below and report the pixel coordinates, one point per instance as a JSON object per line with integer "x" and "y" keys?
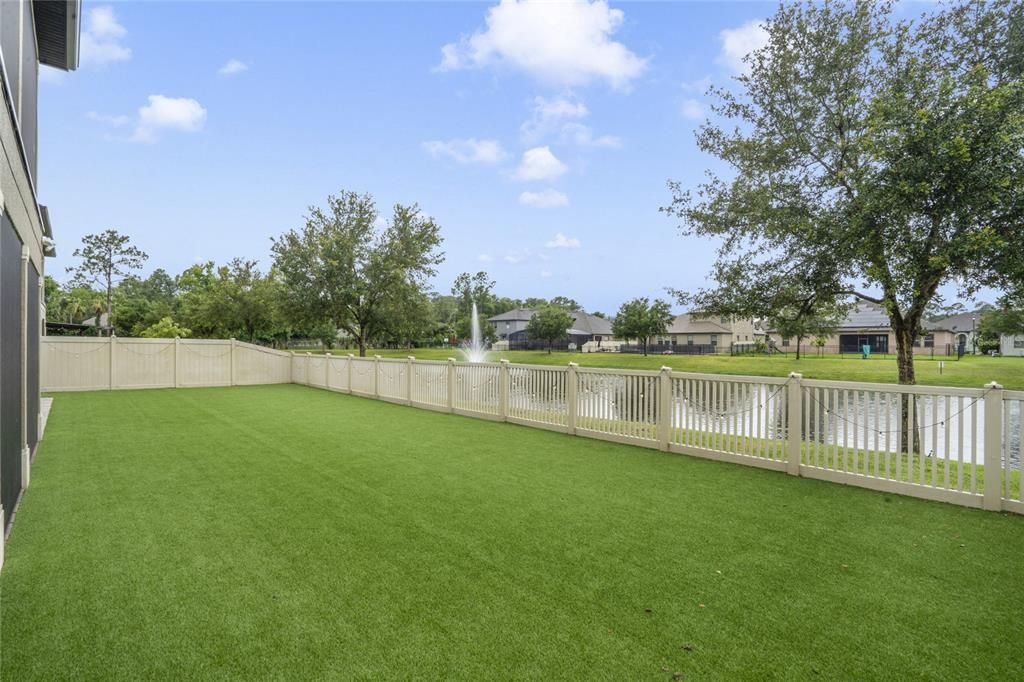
{"x": 504, "y": 328}
{"x": 21, "y": 253}
{"x": 1012, "y": 345}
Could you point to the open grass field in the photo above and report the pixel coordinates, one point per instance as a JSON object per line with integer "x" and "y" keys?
{"x": 281, "y": 532}
{"x": 968, "y": 372}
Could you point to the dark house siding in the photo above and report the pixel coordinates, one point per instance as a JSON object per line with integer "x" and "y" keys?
{"x": 10, "y": 368}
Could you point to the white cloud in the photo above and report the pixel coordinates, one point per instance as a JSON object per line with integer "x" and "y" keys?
{"x": 545, "y": 273}
{"x": 540, "y": 164}
{"x": 466, "y": 151}
{"x": 485, "y": 258}
{"x": 564, "y": 43}
{"x": 100, "y": 42}
{"x": 738, "y": 42}
{"x": 583, "y": 135}
{"x": 168, "y": 113}
{"x": 114, "y": 121}
{"x": 516, "y": 257}
{"x": 233, "y": 67}
{"x": 549, "y": 198}
{"x": 561, "y": 118}
{"x": 692, "y": 109}
{"x": 563, "y": 242}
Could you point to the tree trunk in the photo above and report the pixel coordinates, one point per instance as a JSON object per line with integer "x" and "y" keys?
{"x": 798, "y": 340}
{"x": 645, "y": 346}
{"x": 905, "y": 333}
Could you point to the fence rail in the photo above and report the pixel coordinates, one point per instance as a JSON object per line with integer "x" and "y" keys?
{"x": 956, "y": 445}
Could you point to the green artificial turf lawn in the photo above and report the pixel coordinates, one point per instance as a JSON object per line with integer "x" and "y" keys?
{"x": 282, "y": 532}
{"x": 968, "y": 372}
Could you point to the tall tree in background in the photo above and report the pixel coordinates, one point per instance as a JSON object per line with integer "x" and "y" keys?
{"x": 243, "y": 299}
{"x": 551, "y": 323}
{"x": 641, "y": 319}
{"x": 865, "y": 150}
{"x": 340, "y": 268}
{"x": 107, "y": 258}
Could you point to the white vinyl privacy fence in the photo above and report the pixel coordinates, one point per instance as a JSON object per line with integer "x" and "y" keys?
{"x": 90, "y": 363}
{"x": 955, "y": 445}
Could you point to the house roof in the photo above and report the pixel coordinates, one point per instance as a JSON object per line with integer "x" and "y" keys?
{"x": 516, "y": 315}
{"x": 688, "y": 323}
{"x": 583, "y": 323}
{"x": 591, "y": 324}
{"x": 57, "y": 27}
{"x": 957, "y": 323}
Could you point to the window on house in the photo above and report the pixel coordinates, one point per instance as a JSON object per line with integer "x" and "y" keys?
{"x": 714, "y": 339}
{"x": 689, "y": 339}
{"x": 785, "y": 341}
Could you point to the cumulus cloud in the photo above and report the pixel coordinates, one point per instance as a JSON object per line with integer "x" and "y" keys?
{"x": 168, "y": 113}
{"x": 738, "y": 42}
{"x": 233, "y": 67}
{"x": 692, "y": 109}
{"x": 540, "y": 163}
{"x": 468, "y": 150}
{"x": 561, "y": 117}
{"x": 549, "y": 198}
{"x": 566, "y": 43}
{"x": 485, "y": 258}
{"x": 563, "y": 242}
{"x": 100, "y": 42}
{"x": 515, "y": 257}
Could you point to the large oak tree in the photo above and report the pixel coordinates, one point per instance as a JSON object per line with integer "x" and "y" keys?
{"x": 341, "y": 268}
{"x": 868, "y": 156}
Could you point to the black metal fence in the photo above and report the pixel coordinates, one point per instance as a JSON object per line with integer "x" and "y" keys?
{"x": 676, "y": 349}
{"x": 946, "y": 350}
{"x": 536, "y": 344}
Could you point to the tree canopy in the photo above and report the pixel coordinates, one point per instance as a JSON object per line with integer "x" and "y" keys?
{"x": 342, "y": 269}
{"x": 642, "y": 319}
{"x": 868, "y": 156}
{"x": 551, "y": 323}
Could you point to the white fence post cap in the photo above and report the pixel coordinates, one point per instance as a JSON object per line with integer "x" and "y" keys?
{"x": 796, "y": 375}
{"x": 993, "y": 385}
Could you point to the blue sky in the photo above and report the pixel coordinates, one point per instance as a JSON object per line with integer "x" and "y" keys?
{"x": 541, "y": 146}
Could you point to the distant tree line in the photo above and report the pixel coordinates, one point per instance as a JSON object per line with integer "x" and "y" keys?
{"x": 347, "y": 277}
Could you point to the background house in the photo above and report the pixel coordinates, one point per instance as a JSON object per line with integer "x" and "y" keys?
{"x": 867, "y": 324}
{"x": 1012, "y": 345}
{"x": 586, "y": 330}
{"x": 31, "y": 33}
{"x": 711, "y": 334}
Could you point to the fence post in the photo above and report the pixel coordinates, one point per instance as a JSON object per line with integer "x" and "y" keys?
{"x": 992, "y": 499}
{"x": 349, "y": 370}
{"x": 305, "y": 370}
{"x": 408, "y": 380}
{"x": 113, "y": 342}
{"x": 327, "y": 371}
{"x": 503, "y": 389}
{"x": 232, "y": 361}
{"x": 572, "y": 385}
{"x": 177, "y": 361}
{"x": 376, "y": 376}
{"x": 664, "y": 407}
{"x": 451, "y": 384}
{"x": 794, "y": 409}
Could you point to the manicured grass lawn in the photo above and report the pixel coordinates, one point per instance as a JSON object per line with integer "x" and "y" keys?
{"x": 969, "y": 372}
{"x": 282, "y": 532}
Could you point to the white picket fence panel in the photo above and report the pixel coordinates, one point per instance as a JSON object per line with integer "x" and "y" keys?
{"x": 955, "y": 445}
